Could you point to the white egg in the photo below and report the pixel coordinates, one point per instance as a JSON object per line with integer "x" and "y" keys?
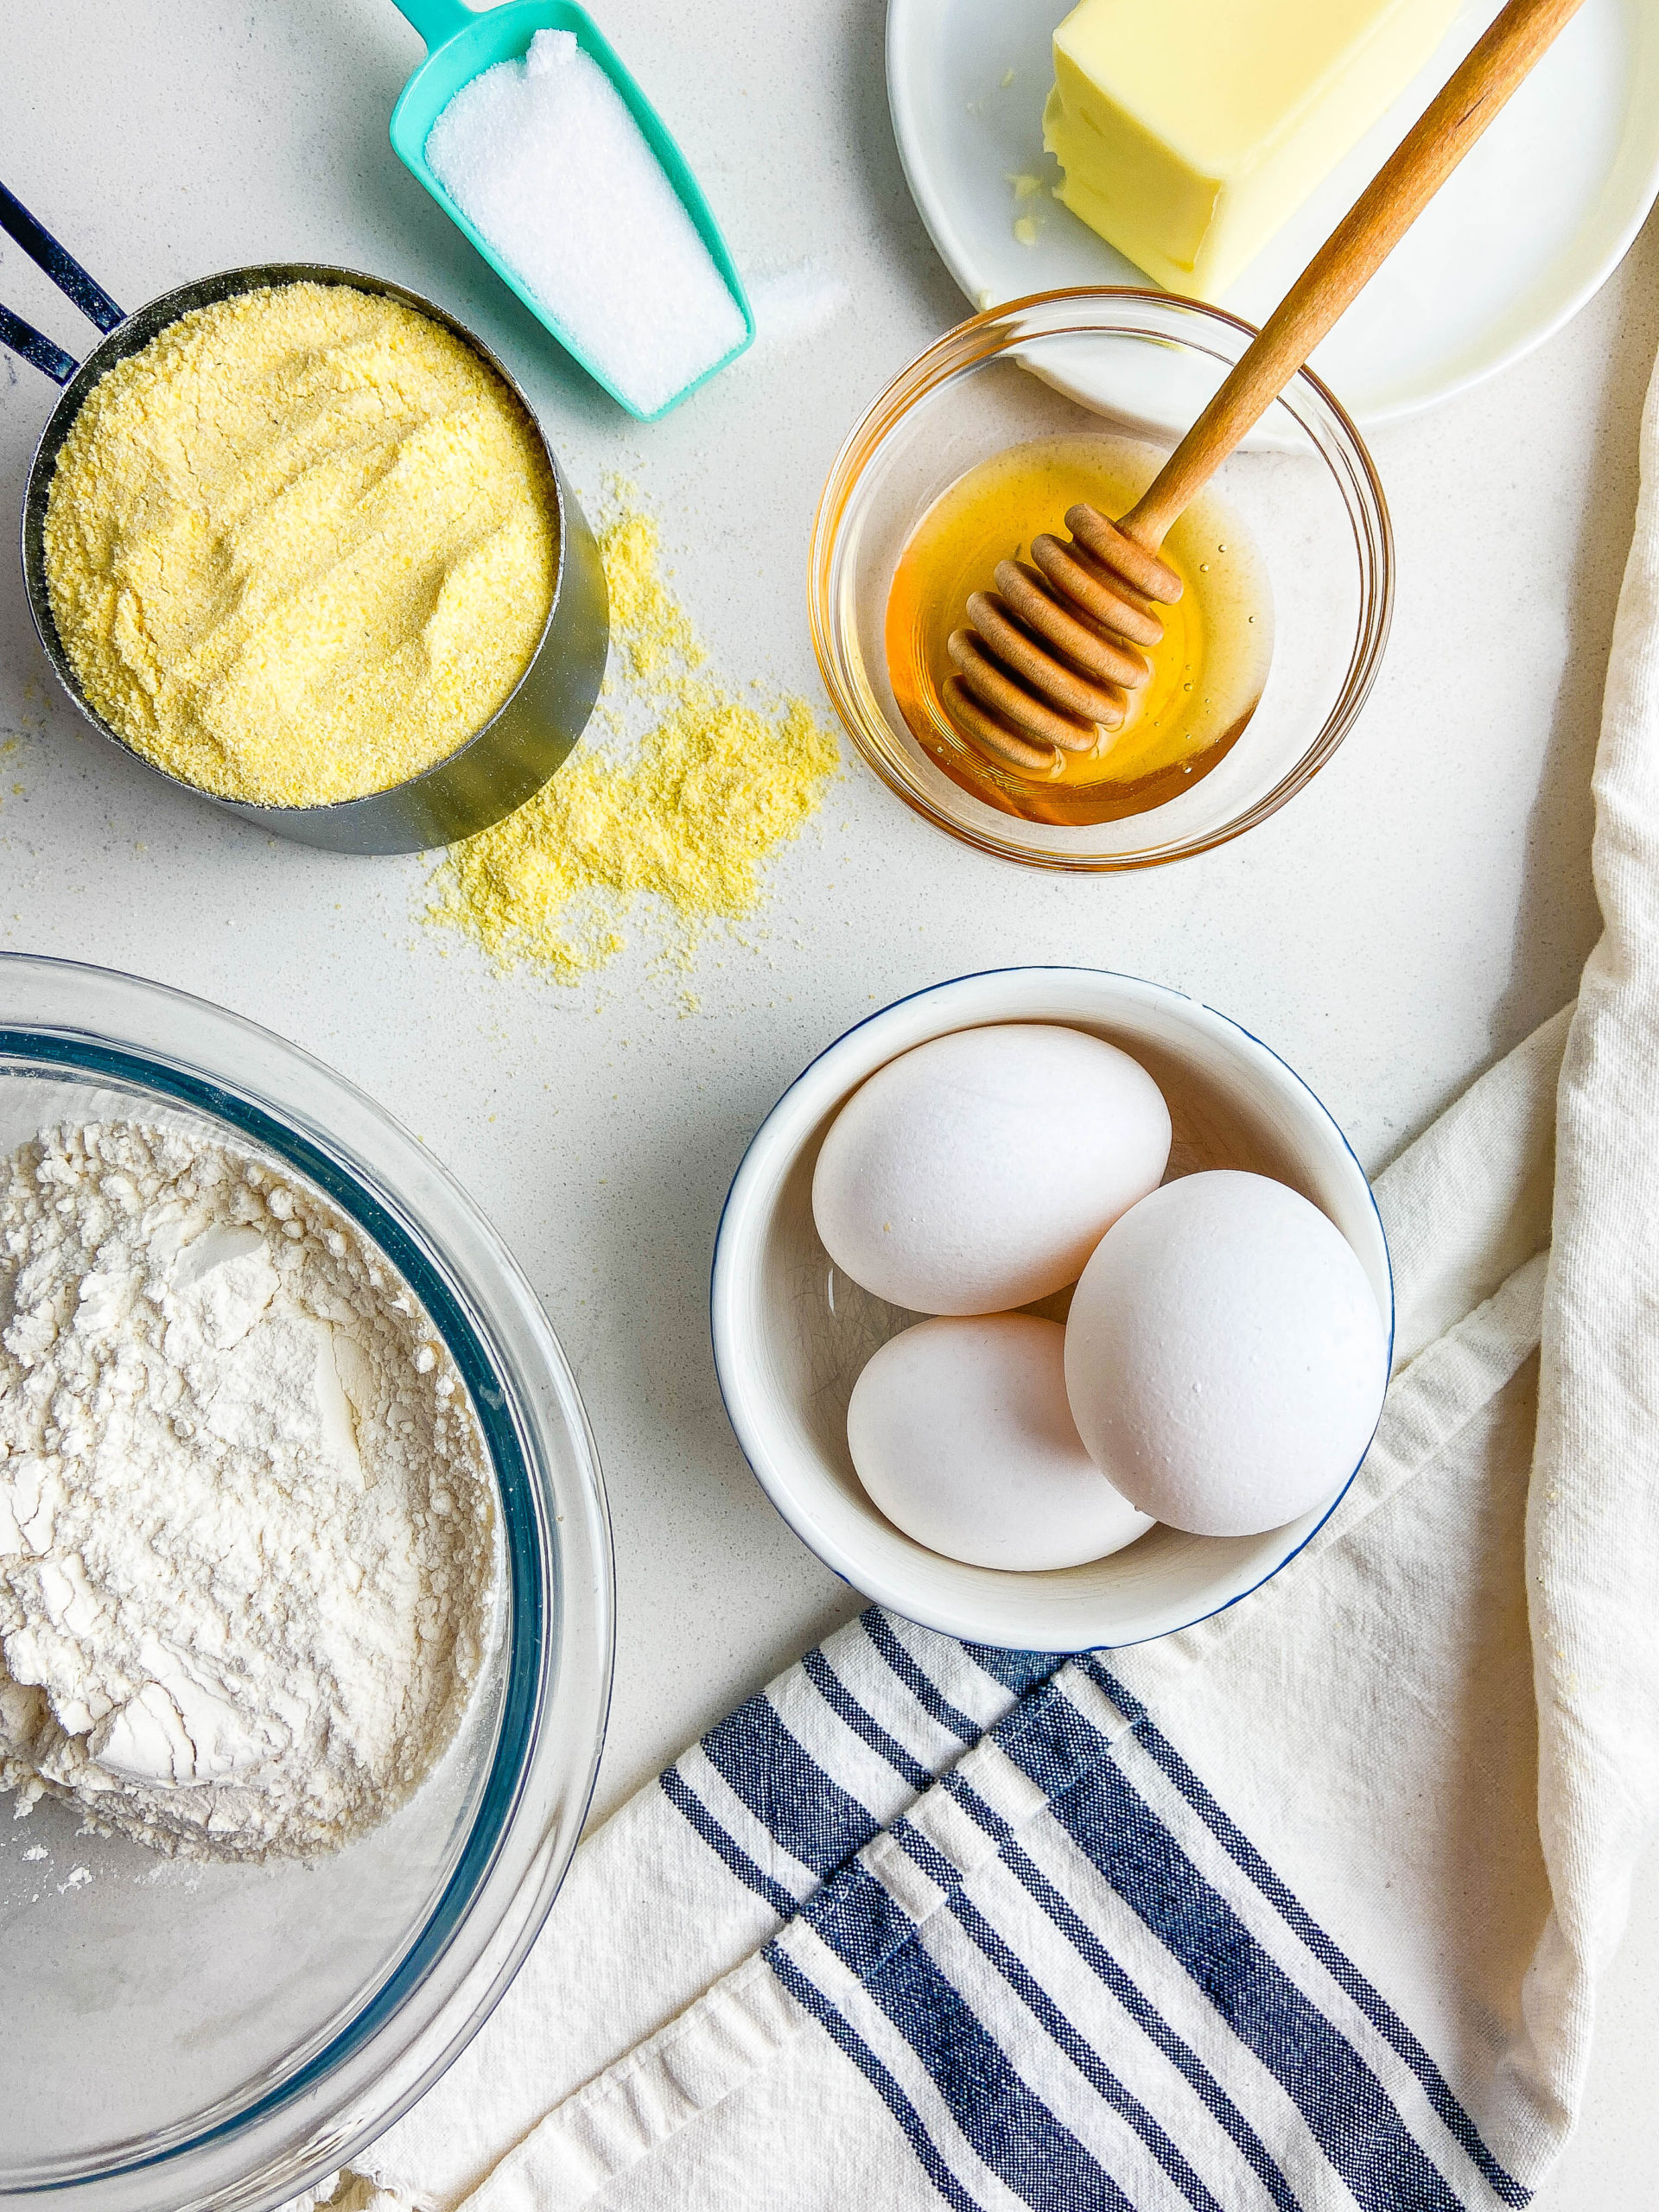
{"x": 979, "y": 1171}
{"x": 1225, "y": 1356}
{"x": 960, "y": 1433}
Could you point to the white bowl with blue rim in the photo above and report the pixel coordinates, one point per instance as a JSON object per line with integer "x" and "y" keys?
{"x": 793, "y": 1333}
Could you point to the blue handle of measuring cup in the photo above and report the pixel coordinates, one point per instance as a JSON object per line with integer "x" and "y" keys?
{"x": 438, "y": 19}
{"x": 35, "y": 347}
{"x": 72, "y": 279}
{"x": 59, "y": 264}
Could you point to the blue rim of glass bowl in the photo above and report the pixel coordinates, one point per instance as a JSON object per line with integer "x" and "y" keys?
{"x": 533, "y": 1607}
{"x": 1051, "y": 968}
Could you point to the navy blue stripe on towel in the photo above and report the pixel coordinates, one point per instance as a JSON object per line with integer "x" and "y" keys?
{"x": 787, "y": 1789}
{"x": 842, "y": 1702}
{"x": 927, "y": 1693}
{"x": 1007, "y": 2122}
{"x": 1095, "y": 1956}
{"x": 1018, "y": 1671}
{"x": 812, "y": 2000}
{"x": 1342, "y": 1970}
{"x": 1037, "y": 2000}
{"x": 687, "y": 1802}
{"x": 1083, "y": 2056}
{"x": 1346, "y": 2109}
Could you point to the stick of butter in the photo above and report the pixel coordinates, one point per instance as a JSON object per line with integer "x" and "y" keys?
{"x": 1189, "y": 129}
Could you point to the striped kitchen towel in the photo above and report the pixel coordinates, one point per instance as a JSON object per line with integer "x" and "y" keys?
{"x": 1305, "y": 1907}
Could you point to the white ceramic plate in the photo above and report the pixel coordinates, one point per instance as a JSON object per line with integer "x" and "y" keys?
{"x": 1532, "y": 224}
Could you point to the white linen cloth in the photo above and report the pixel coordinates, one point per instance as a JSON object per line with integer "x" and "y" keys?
{"x": 1302, "y": 1908}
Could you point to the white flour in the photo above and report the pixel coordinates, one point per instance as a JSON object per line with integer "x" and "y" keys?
{"x": 248, "y": 1542}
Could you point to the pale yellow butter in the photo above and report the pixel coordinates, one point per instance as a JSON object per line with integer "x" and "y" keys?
{"x": 1188, "y": 130}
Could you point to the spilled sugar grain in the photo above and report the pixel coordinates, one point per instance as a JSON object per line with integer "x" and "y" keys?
{"x": 686, "y": 812}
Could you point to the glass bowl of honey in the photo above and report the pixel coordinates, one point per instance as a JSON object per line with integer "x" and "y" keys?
{"x": 978, "y": 449}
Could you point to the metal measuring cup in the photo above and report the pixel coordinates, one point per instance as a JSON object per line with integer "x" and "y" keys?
{"x": 503, "y": 763}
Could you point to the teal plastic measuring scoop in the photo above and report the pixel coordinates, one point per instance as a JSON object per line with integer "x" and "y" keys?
{"x": 462, "y": 41}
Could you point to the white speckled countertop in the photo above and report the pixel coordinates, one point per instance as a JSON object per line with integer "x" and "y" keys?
{"x": 1415, "y": 913}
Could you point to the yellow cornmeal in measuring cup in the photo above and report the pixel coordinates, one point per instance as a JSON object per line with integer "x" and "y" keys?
{"x": 300, "y": 546}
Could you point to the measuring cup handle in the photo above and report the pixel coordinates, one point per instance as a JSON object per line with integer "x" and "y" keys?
{"x": 59, "y": 264}
{"x": 35, "y": 347}
{"x": 437, "y": 20}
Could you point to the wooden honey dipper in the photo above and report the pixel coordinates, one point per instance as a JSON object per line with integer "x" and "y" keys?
{"x": 1050, "y": 657}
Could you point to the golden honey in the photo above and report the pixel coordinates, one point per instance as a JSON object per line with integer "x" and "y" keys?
{"x": 1207, "y": 674}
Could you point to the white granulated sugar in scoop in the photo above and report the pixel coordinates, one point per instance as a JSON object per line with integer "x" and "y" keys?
{"x": 543, "y": 157}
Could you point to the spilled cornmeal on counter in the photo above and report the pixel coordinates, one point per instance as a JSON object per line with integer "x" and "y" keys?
{"x": 300, "y": 546}
{"x": 685, "y": 814}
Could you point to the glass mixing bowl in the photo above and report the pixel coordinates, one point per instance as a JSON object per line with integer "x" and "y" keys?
{"x": 176, "y": 2033}
{"x": 1140, "y": 365}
